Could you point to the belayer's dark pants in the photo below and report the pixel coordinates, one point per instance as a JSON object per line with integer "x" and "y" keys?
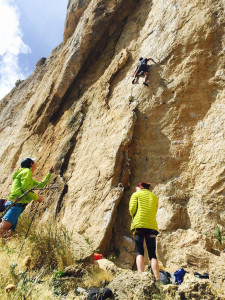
{"x": 149, "y": 235}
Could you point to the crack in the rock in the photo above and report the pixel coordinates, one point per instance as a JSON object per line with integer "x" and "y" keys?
{"x": 59, "y": 203}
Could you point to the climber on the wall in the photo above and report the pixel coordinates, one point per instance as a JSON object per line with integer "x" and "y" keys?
{"x": 143, "y": 207}
{"x": 22, "y": 182}
{"x": 142, "y": 67}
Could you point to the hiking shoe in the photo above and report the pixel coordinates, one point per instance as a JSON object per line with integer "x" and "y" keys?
{"x": 203, "y": 276}
{"x": 133, "y": 81}
{"x": 145, "y": 83}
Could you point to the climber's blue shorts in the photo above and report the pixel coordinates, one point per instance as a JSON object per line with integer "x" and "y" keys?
{"x": 13, "y": 214}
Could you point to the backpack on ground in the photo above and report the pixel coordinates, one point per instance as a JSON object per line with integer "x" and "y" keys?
{"x": 164, "y": 277}
{"x": 99, "y": 294}
{"x": 2, "y": 204}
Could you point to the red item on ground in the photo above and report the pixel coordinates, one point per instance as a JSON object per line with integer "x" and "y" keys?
{"x": 97, "y": 256}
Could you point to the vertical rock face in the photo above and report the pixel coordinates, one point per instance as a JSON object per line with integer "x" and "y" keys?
{"x": 80, "y": 111}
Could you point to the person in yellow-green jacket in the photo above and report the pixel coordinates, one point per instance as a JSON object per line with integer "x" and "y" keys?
{"x": 22, "y": 182}
{"x": 143, "y": 208}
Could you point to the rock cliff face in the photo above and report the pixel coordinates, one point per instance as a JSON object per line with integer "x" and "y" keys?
{"x": 80, "y": 112}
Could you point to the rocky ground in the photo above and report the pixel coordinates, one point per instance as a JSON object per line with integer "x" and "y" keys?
{"x": 80, "y": 112}
{"x": 77, "y": 280}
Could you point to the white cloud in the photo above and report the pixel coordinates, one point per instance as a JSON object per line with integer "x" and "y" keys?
{"x": 11, "y": 45}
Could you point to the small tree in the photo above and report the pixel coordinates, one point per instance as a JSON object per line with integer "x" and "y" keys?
{"x": 18, "y": 82}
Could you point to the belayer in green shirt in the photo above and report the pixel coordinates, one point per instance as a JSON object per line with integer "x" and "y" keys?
{"x": 22, "y": 182}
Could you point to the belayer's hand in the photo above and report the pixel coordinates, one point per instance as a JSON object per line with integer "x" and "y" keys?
{"x": 52, "y": 170}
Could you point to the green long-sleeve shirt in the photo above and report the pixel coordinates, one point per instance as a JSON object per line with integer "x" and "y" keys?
{"x": 22, "y": 182}
{"x": 143, "y": 207}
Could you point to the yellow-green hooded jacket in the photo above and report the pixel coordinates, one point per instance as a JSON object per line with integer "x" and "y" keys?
{"x": 22, "y": 182}
{"x": 143, "y": 208}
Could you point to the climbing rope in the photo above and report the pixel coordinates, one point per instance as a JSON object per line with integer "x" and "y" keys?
{"x": 36, "y": 209}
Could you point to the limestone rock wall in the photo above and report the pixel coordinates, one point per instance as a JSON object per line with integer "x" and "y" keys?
{"x": 80, "y": 112}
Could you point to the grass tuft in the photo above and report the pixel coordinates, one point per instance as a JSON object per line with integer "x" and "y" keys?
{"x": 47, "y": 249}
{"x": 52, "y": 248}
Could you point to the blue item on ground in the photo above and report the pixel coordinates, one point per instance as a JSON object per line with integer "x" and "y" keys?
{"x": 179, "y": 275}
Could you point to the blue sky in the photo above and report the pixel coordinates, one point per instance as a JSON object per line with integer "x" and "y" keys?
{"x": 29, "y": 30}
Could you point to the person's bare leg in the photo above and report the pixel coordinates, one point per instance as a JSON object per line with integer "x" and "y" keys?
{"x": 135, "y": 77}
{"x": 155, "y": 268}
{"x": 146, "y": 77}
{"x": 5, "y": 228}
{"x": 140, "y": 263}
